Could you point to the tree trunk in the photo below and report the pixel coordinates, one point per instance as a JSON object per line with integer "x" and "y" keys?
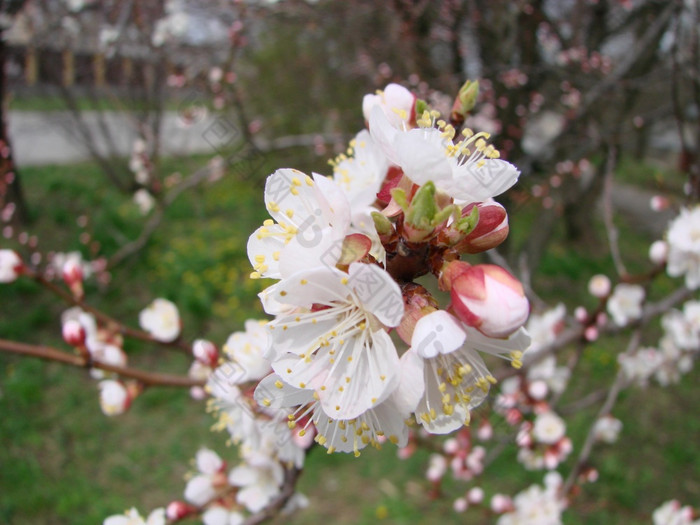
{"x": 11, "y": 193}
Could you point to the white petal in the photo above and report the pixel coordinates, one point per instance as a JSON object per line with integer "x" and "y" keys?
{"x": 275, "y": 393}
{"x": 518, "y": 341}
{"x": 477, "y": 184}
{"x": 422, "y": 156}
{"x": 411, "y": 384}
{"x": 290, "y": 196}
{"x": 311, "y": 247}
{"x": 383, "y": 133}
{"x": 263, "y": 248}
{"x": 378, "y": 292}
{"x": 321, "y": 285}
{"x": 437, "y": 333}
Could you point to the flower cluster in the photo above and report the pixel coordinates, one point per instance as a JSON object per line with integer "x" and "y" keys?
{"x": 411, "y": 197}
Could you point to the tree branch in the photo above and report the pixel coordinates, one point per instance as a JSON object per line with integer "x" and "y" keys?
{"x": 52, "y": 354}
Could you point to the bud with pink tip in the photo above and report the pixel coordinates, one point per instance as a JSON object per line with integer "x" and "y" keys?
{"x": 177, "y": 510}
{"x": 658, "y": 252}
{"x": 491, "y": 228}
{"x": 72, "y": 272}
{"x": 73, "y": 332}
{"x": 501, "y": 503}
{"x": 205, "y": 352}
{"x": 475, "y": 495}
{"x": 599, "y": 286}
{"x": 486, "y": 297}
{"x": 11, "y": 266}
{"x": 417, "y": 303}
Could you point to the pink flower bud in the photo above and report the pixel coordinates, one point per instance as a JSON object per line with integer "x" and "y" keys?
{"x": 205, "y": 352}
{"x": 590, "y": 333}
{"x": 658, "y": 252}
{"x": 475, "y": 495}
{"x": 599, "y": 286}
{"x": 460, "y": 505}
{"x": 490, "y": 231}
{"x": 177, "y": 510}
{"x": 501, "y": 504}
{"x": 486, "y": 297}
{"x": 73, "y": 332}
{"x": 417, "y": 303}
{"x": 580, "y": 314}
{"x": 11, "y": 266}
{"x": 72, "y": 272}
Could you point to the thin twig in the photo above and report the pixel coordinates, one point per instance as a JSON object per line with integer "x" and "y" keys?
{"x": 106, "y": 319}
{"x": 605, "y": 409}
{"x": 52, "y": 354}
{"x": 610, "y": 228}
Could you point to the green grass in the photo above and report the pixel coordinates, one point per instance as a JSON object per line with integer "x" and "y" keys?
{"x": 63, "y": 462}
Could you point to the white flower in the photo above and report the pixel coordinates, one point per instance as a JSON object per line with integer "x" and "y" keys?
{"x": 537, "y": 505}
{"x": 684, "y": 327}
{"x": 671, "y": 513}
{"x": 208, "y": 461}
{"x": 684, "y": 247}
{"x": 555, "y": 377}
{"x": 10, "y": 266}
{"x": 543, "y": 329}
{"x": 218, "y": 515}
{"x": 625, "y": 304}
{"x": 336, "y": 342}
{"x": 114, "y": 397}
{"x": 548, "y": 428}
{"x": 607, "y": 429}
{"x": 455, "y": 377}
{"x": 309, "y": 219}
{"x": 469, "y": 171}
{"x": 132, "y": 517}
{"x": 144, "y": 200}
{"x": 361, "y": 174}
{"x": 437, "y": 467}
{"x": 200, "y": 490}
{"x": 247, "y": 351}
{"x": 395, "y": 101}
{"x": 61, "y": 260}
{"x": 161, "y": 319}
{"x": 640, "y": 366}
{"x": 386, "y": 419}
{"x": 259, "y": 479}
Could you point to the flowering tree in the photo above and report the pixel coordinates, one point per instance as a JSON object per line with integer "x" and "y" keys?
{"x": 393, "y": 321}
{"x": 364, "y": 347}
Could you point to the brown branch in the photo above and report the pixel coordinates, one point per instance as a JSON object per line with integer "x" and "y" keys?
{"x": 605, "y": 409}
{"x": 52, "y": 354}
{"x": 106, "y": 319}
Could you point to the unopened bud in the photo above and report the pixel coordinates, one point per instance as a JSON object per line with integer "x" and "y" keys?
{"x": 486, "y": 297}
{"x": 177, "y": 510}
{"x": 73, "y": 332}
{"x": 658, "y": 252}
{"x": 465, "y": 101}
{"x": 490, "y": 230}
{"x": 11, "y": 266}
{"x": 501, "y": 504}
{"x": 417, "y": 303}
{"x": 205, "y": 352}
{"x": 599, "y": 286}
{"x": 72, "y": 273}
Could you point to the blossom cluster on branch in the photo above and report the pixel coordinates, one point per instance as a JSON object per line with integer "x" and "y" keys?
{"x": 384, "y": 323}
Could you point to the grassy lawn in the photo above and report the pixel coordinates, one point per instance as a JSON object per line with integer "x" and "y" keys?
{"x": 63, "y": 462}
